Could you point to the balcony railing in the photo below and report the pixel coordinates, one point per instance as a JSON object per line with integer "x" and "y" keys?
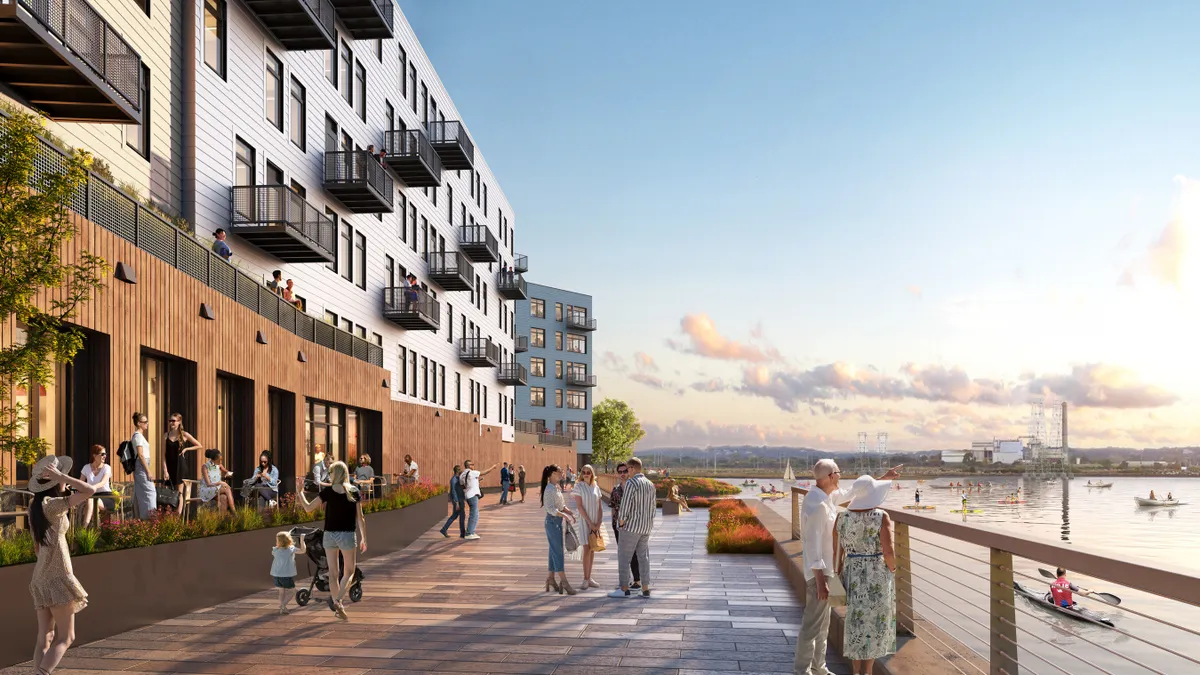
{"x": 366, "y": 19}
{"x": 452, "y": 144}
{"x": 63, "y": 58}
{"x": 479, "y": 352}
{"x": 412, "y": 308}
{"x": 580, "y": 321}
{"x": 105, "y": 205}
{"x": 521, "y": 264}
{"x": 451, "y": 270}
{"x": 548, "y": 438}
{"x": 521, "y": 344}
{"x": 512, "y": 285}
{"x": 359, "y": 181}
{"x": 577, "y": 379}
{"x": 411, "y": 158}
{"x": 282, "y": 223}
{"x": 478, "y": 243}
{"x": 298, "y": 25}
{"x": 513, "y": 373}
{"x": 526, "y": 427}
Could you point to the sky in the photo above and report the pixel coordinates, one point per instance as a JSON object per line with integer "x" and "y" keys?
{"x": 801, "y": 221}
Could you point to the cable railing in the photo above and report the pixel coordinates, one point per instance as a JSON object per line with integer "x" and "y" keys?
{"x": 976, "y": 598}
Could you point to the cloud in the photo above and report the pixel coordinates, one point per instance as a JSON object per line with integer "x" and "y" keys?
{"x": 705, "y": 340}
{"x": 914, "y": 290}
{"x": 691, "y": 433}
{"x": 712, "y": 385}
{"x": 643, "y": 361}
{"x": 652, "y": 381}
{"x": 1099, "y": 385}
{"x": 1166, "y": 259}
{"x": 613, "y": 362}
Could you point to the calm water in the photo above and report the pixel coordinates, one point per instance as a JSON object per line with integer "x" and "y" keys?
{"x": 1102, "y": 520}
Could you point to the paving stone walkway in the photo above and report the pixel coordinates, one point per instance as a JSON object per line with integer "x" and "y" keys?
{"x": 448, "y": 605}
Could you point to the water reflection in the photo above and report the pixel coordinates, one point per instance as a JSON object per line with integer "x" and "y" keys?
{"x": 1066, "y": 510}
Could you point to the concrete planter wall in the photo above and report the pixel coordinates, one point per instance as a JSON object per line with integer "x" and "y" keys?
{"x": 136, "y": 587}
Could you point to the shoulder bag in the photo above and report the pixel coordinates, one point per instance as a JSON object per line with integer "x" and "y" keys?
{"x": 570, "y": 539}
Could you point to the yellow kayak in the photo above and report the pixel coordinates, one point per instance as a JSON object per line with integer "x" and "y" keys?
{"x": 771, "y": 494}
{"x": 919, "y": 507}
{"x": 966, "y": 511}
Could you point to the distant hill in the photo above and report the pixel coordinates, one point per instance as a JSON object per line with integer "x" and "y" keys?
{"x": 737, "y": 454}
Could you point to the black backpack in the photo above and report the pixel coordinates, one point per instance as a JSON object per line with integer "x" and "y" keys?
{"x": 127, "y": 455}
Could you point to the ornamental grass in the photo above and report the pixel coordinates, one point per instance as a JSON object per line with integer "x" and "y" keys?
{"x": 697, "y": 487}
{"x": 733, "y": 528}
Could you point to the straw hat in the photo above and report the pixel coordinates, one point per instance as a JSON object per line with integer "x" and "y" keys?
{"x": 868, "y": 493}
{"x": 36, "y": 484}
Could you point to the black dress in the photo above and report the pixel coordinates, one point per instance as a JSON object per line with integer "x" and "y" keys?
{"x": 174, "y": 460}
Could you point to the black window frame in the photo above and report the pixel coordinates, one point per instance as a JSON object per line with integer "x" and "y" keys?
{"x": 273, "y": 79}
{"x": 298, "y": 98}
{"x": 141, "y": 130}
{"x": 220, "y": 10}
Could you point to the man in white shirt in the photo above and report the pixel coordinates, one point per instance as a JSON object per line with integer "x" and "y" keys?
{"x": 470, "y": 480}
{"x": 410, "y": 470}
{"x": 818, "y": 513}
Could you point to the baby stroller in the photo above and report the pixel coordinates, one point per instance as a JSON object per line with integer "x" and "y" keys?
{"x": 314, "y": 543}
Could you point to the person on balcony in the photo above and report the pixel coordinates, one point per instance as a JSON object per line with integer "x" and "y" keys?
{"x": 289, "y": 295}
{"x": 410, "y": 291}
{"x": 274, "y": 283}
{"x": 220, "y": 247}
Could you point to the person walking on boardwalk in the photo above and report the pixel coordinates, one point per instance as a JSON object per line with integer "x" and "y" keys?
{"x": 345, "y": 531}
{"x": 638, "y": 506}
{"x": 862, "y": 538}
{"x": 818, "y": 513}
{"x": 556, "y": 510}
{"x": 505, "y": 481}
{"x": 614, "y": 505}
{"x": 457, "y": 504}
{"x": 471, "y": 493}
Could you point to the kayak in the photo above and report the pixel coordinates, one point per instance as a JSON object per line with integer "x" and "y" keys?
{"x": 918, "y": 507}
{"x": 1075, "y": 612}
{"x": 1142, "y": 501}
{"x": 966, "y": 511}
{"x": 1022, "y": 501}
{"x": 771, "y": 494}
{"x": 1100, "y": 484}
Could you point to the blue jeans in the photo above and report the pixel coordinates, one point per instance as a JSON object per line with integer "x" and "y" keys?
{"x": 473, "y": 519}
{"x": 554, "y": 536}
{"x": 504, "y": 491}
{"x": 458, "y": 513}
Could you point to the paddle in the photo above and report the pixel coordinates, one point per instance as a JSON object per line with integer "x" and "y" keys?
{"x": 1105, "y": 597}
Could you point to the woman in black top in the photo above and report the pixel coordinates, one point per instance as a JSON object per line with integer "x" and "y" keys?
{"x": 521, "y": 482}
{"x": 175, "y": 448}
{"x": 345, "y": 531}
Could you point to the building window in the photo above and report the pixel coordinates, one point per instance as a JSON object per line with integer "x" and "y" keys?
{"x": 347, "y": 74}
{"x": 403, "y": 72}
{"x": 274, "y": 175}
{"x": 537, "y": 396}
{"x": 360, "y": 85}
{"x": 214, "y": 35}
{"x": 360, "y": 252}
{"x": 558, "y": 340}
{"x": 274, "y": 90}
{"x": 537, "y": 308}
{"x": 558, "y": 398}
{"x": 424, "y": 378}
{"x": 577, "y": 400}
{"x": 412, "y": 221}
{"x": 558, "y": 311}
{"x": 450, "y": 323}
{"x": 331, "y": 67}
{"x": 458, "y": 391}
{"x": 412, "y": 77}
{"x": 577, "y": 430}
{"x": 412, "y": 372}
{"x": 576, "y": 343}
{"x": 558, "y": 371}
{"x": 137, "y": 136}
{"x": 442, "y": 379}
{"x": 299, "y": 115}
{"x": 537, "y": 337}
{"x": 298, "y": 188}
{"x": 537, "y": 366}
{"x": 346, "y": 264}
{"x": 333, "y": 216}
{"x": 243, "y": 166}
{"x": 403, "y": 370}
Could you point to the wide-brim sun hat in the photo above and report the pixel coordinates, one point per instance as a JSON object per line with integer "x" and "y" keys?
{"x": 36, "y": 484}
{"x": 868, "y": 493}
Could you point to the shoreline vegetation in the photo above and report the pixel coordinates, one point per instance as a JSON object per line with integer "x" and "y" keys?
{"x": 914, "y": 473}
{"x": 691, "y": 486}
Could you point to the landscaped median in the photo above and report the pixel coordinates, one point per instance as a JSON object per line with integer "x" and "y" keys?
{"x": 144, "y": 572}
{"x": 696, "y": 487}
{"x": 733, "y": 527}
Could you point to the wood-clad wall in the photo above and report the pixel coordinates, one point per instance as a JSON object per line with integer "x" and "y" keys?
{"x": 161, "y": 313}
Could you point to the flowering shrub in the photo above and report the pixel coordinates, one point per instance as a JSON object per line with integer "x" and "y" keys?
{"x": 699, "y": 502}
{"x": 733, "y": 528}
{"x": 697, "y": 487}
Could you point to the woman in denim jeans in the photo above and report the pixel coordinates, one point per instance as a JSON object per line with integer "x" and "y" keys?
{"x": 345, "y": 531}
{"x": 556, "y": 510}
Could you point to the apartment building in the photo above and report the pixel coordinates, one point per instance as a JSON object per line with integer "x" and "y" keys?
{"x": 555, "y": 330}
{"x": 319, "y": 137}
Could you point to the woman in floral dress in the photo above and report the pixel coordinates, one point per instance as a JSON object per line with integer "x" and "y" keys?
{"x": 862, "y": 539}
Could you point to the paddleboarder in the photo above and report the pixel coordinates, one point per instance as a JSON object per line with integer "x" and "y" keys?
{"x": 917, "y": 496}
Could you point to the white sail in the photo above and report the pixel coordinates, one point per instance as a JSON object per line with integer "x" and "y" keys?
{"x": 788, "y": 476}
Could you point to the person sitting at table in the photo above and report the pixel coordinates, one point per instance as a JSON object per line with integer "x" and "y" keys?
{"x": 364, "y": 475}
{"x": 264, "y": 483}
{"x": 320, "y": 471}
{"x": 98, "y": 475}
{"x": 211, "y": 483}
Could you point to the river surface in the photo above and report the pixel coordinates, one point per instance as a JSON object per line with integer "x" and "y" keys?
{"x": 950, "y": 588}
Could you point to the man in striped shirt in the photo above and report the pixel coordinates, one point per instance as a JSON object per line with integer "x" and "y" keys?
{"x": 636, "y": 522}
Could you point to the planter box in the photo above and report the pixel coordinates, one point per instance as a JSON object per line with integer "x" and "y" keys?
{"x": 137, "y": 587}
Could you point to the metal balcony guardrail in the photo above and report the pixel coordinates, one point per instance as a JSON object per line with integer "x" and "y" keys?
{"x": 513, "y": 373}
{"x": 412, "y": 308}
{"x": 451, "y": 270}
{"x": 957, "y": 589}
{"x": 104, "y": 204}
{"x": 579, "y": 321}
{"x": 521, "y": 344}
{"x": 511, "y": 285}
{"x": 87, "y": 35}
{"x": 452, "y": 143}
{"x": 521, "y": 264}
{"x": 580, "y": 379}
{"x": 412, "y": 158}
{"x": 258, "y": 207}
{"x": 526, "y": 427}
{"x": 358, "y": 179}
{"x": 548, "y": 438}
{"x": 366, "y": 19}
{"x": 480, "y": 352}
{"x": 478, "y": 243}
{"x": 285, "y": 19}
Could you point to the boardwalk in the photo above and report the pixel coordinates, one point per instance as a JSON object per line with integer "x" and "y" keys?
{"x": 446, "y": 605}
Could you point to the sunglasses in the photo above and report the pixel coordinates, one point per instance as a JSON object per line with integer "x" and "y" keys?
{"x": 623, "y": 472}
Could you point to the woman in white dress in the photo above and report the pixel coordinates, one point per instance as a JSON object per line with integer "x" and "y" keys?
{"x": 211, "y": 484}
{"x": 98, "y": 475}
{"x": 591, "y": 519}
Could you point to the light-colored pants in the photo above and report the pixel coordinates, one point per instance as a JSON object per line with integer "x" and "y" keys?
{"x": 814, "y": 634}
{"x": 627, "y": 547}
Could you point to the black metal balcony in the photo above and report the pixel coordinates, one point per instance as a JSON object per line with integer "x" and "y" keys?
{"x": 359, "y": 181}
{"x": 578, "y": 379}
{"x": 412, "y": 308}
{"x": 452, "y": 144}
{"x": 366, "y": 19}
{"x": 580, "y": 321}
{"x": 63, "y": 58}
{"x": 479, "y": 352}
{"x": 521, "y": 264}
{"x": 512, "y": 286}
{"x": 299, "y": 25}
{"x": 451, "y": 270}
{"x": 521, "y": 344}
{"x": 478, "y": 243}
{"x": 282, "y": 223}
{"x": 412, "y": 159}
{"x": 513, "y": 373}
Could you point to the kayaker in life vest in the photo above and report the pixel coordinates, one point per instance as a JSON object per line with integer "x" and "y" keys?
{"x": 1061, "y": 589}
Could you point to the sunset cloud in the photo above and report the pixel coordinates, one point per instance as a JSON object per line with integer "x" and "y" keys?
{"x": 1167, "y": 259}
{"x": 915, "y": 291}
{"x": 688, "y": 433}
{"x": 705, "y": 340}
{"x": 644, "y": 362}
{"x": 613, "y": 362}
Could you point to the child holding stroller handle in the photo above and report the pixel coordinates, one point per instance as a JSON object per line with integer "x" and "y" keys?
{"x": 283, "y": 566}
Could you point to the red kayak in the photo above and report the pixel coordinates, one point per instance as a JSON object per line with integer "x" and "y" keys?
{"x": 1016, "y": 502}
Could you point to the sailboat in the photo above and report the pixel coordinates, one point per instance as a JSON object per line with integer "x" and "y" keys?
{"x": 788, "y": 476}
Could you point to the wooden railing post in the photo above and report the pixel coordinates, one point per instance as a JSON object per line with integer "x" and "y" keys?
{"x": 1004, "y": 615}
{"x": 905, "y": 614}
{"x": 795, "y": 514}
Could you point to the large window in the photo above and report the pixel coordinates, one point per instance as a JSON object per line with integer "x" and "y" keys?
{"x": 333, "y": 216}
{"x": 537, "y": 366}
{"x": 558, "y": 342}
{"x": 558, "y": 371}
{"x": 577, "y": 430}
{"x": 537, "y": 337}
{"x": 137, "y": 136}
{"x": 537, "y": 308}
{"x": 243, "y": 163}
{"x": 214, "y": 35}
{"x": 323, "y": 430}
{"x": 412, "y": 77}
{"x": 558, "y": 398}
{"x": 331, "y": 67}
{"x": 577, "y": 400}
{"x": 360, "y": 86}
{"x": 576, "y": 343}
{"x": 347, "y": 74}
{"x": 299, "y": 115}
{"x": 360, "y": 254}
{"x": 537, "y": 396}
{"x": 403, "y": 370}
{"x": 273, "y": 105}
{"x": 346, "y": 259}
{"x": 403, "y": 73}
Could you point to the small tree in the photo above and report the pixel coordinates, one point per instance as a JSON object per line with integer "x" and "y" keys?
{"x": 615, "y": 430}
{"x": 34, "y": 225}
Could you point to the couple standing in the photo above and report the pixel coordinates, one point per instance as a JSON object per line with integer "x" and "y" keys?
{"x": 862, "y": 535}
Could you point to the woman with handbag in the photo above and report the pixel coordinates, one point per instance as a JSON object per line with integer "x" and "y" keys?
{"x": 591, "y": 512}
{"x": 556, "y": 510}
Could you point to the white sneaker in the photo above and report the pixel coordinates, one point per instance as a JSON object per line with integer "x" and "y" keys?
{"x": 592, "y": 584}
{"x": 471, "y": 536}
{"x": 619, "y": 594}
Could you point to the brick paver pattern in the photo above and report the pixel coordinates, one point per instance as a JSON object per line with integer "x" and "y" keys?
{"x": 449, "y": 605}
